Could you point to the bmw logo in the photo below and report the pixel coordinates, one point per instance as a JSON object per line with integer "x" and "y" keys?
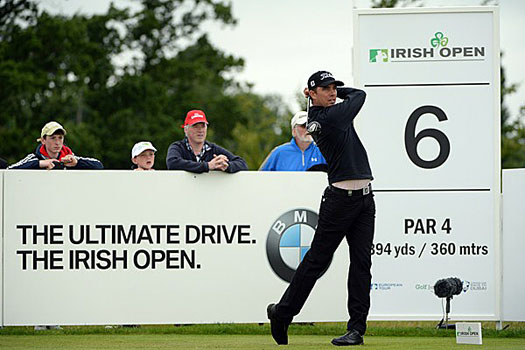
{"x": 288, "y": 241}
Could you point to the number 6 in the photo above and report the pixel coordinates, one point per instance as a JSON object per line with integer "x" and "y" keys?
{"x": 411, "y": 141}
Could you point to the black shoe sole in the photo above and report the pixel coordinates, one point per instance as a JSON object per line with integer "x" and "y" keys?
{"x": 336, "y": 344}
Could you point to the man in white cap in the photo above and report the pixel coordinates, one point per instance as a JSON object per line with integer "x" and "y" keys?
{"x": 143, "y": 156}
{"x": 51, "y": 153}
{"x": 300, "y": 154}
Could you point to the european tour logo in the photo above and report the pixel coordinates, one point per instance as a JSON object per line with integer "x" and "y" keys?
{"x": 437, "y": 51}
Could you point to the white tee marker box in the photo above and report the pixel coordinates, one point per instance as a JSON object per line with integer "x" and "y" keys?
{"x": 468, "y": 333}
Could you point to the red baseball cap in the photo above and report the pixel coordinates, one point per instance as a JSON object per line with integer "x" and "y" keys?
{"x": 195, "y": 116}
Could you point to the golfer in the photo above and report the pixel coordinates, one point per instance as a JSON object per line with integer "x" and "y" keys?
{"x": 347, "y": 209}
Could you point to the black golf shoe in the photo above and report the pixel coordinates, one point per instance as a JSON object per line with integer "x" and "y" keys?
{"x": 279, "y": 328}
{"x": 352, "y": 337}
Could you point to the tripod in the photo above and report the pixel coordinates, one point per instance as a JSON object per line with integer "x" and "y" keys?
{"x": 443, "y": 324}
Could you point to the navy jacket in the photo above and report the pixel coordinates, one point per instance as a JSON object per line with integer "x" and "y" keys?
{"x": 181, "y": 158}
{"x": 31, "y": 161}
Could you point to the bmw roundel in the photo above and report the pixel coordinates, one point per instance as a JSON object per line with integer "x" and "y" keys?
{"x": 288, "y": 241}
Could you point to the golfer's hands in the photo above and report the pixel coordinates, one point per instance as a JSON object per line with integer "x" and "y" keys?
{"x": 306, "y": 92}
{"x": 219, "y": 162}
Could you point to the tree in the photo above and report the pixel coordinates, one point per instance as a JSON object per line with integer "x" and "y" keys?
{"x": 268, "y": 126}
{"x": 512, "y": 129}
{"x": 513, "y": 144}
{"x": 49, "y": 65}
{"x": 61, "y": 68}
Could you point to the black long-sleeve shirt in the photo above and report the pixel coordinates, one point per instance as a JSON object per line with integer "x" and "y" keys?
{"x": 181, "y": 158}
{"x": 337, "y": 139}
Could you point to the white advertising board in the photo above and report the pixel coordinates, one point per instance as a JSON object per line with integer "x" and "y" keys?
{"x": 513, "y": 308}
{"x": 121, "y": 247}
{"x": 431, "y": 127}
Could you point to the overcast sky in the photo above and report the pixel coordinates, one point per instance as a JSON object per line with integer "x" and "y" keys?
{"x": 284, "y": 41}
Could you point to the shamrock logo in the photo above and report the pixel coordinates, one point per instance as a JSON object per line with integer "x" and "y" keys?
{"x": 439, "y": 40}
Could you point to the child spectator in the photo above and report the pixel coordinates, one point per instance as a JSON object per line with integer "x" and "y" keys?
{"x": 143, "y": 156}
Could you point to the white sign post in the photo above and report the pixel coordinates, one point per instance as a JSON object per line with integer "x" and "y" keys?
{"x": 431, "y": 127}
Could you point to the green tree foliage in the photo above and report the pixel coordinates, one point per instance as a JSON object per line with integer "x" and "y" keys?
{"x": 50, "y": 67}
{"x": 512, "y": 129}
{"x": 63, "y": 68}
{"x": 268, "y": 127}
{"x": 513, "y": 143}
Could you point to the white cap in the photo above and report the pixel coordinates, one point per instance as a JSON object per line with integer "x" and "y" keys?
{"x": 141, "y": 147}
{"x": 299, "y": 118}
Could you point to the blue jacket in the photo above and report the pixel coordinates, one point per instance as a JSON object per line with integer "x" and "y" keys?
{"x": 289, "y": 157}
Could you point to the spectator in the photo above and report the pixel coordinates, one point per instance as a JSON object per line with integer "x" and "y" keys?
{"x": 300, "y": 154}
{"x": 51, "y": 153}
{"x": 143, "y": 156}
{"x": 196, "y": 155}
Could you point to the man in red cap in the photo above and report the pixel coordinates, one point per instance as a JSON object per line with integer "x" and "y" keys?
{"x": 195, "y": 154}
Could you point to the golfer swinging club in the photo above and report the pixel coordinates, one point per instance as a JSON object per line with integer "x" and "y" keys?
{"x": 347, "y": 209}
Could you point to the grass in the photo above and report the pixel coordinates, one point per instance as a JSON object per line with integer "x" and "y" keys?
{"x": 380, "y": 335}
{"x": 233, "y": 342}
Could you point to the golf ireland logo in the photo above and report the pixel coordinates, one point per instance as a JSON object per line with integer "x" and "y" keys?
{"x": 288, "y": 241}
{"x": 378, "y": 55}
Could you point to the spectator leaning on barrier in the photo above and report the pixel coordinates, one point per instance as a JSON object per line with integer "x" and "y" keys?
{"x": 195, "y": 154}
{"x": 143, "y": 156}
{"x": 51, "y": 153}
{"x": 300, "y": 154}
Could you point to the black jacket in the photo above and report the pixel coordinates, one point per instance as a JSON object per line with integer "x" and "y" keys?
{"x": 337, "y": 139}
{"x": 181, "y": 158}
